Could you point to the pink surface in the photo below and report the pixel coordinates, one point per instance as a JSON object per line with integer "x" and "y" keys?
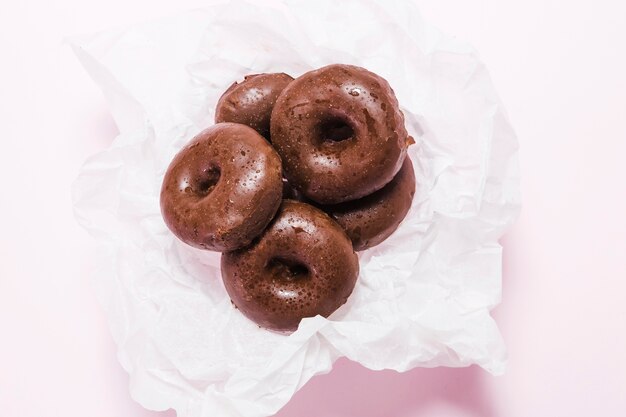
{"x": 559, "y": 66}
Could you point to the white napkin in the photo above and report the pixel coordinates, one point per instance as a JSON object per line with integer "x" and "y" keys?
{"x": 423, "y": 296}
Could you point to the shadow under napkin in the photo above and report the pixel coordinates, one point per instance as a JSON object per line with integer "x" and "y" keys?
{"x": 352, "y": 390}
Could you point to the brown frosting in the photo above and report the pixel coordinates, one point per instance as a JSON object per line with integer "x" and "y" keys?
{"x": 301, "y": 266}
{"x": 250, "y": 102}
{"x": 222, "y": 189}
{"x": 339, "y": 132}
{"x": 370, "y": 220}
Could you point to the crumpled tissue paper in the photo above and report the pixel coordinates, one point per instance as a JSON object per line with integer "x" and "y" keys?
{"x": 423, "y": 296}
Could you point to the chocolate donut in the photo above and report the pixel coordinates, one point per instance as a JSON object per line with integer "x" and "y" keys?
{"x": 370, "y": 220}
{"x": 339, "y": 132}
{"x": 222, "y": 189}
{"x": 301, "y": 266}
{"x": 250, "y": 102}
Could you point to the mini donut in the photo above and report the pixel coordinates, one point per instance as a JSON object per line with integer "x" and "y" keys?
{"x": 370, "y": 220}
{"x": 250, "y": 102}
{"x": 222, "y": 189}
{"x": 339, "y": 132}
{"x": 301, "y": 266}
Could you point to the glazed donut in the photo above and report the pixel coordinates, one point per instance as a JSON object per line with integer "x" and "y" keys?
{"x": 370, "y": 220}
{"x": 250, "y": 102}
{"x": 222, "y": 189}
{"x": 339, "y": 132}
{"x": 301, "y": 266}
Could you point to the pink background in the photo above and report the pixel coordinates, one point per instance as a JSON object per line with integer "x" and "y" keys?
{"x": 560, "y": 67}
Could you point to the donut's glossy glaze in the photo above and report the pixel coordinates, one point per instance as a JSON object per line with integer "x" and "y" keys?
{"x": 370, "y": 220}
{"x": 340, "y": 133}
{"x": 222, "y": 189}
{"x": 301, "y": 266}
{"x": 250, "y": 102}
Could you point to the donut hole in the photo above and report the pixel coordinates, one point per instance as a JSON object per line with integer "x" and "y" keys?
{"x": 334, "y": 129}
{"x": 287, "y": 269}
{"x": 206, "y": 182}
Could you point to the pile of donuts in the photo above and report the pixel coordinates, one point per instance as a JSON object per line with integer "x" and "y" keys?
{"x": 295, "y": 176}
